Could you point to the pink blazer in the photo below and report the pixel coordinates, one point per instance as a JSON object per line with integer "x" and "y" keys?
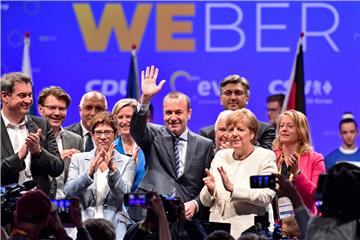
{"x": 311, "y": 166}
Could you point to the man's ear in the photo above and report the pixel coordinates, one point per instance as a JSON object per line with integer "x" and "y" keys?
{"x": 4, "y": 97}
{"x": 40, "y": 109}
{"x": 190, "y": 112}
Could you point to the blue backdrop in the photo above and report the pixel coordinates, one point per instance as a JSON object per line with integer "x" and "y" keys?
{"x": 86, "y": 45}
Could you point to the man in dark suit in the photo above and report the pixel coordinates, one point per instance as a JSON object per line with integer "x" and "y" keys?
{"x": 28, "y": 145}
{"x": 91, "y": 104}
{"x": 53, "y": 103}
{"x": 234, "y": 94}
{"x": 176, "y": 157}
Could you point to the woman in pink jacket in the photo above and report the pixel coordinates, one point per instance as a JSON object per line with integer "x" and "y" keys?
{"x": 296, "y": 158}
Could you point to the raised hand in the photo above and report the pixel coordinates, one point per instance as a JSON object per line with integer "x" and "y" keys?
{"x": 209, "y": 181}
{"x": 33, "y": 142}
{"x": 95, "y": 163}
{"x": 294, "y": 163}
{"x": 148, "y": 84}
{"x": 109, "y": 157}
{"x": 226, "y": 182}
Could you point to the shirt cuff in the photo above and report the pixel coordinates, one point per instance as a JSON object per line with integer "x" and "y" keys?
{"x": 142, "y": 107}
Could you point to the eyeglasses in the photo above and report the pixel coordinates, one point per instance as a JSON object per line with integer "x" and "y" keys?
{"x": 53, "y": 108}
{"x": 237, "y": 93}
{"x": 107, "y": 133}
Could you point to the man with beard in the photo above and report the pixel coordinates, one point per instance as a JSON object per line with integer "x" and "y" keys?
{"x": 28, "y": 145}
{"x": 53, "y": 104}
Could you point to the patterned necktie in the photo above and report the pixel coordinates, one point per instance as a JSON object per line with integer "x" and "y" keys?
{"x": 178, "y": 162}
{"x": 89, "y": 144}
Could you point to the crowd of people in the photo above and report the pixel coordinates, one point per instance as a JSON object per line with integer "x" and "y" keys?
{"x": 185, "y": 179}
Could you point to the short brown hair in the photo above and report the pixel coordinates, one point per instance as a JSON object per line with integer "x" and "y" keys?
{"x": 9, "y": 80}
{"x": 177, "y": 95}
{"x": 239, "y": 115}
{"x": 236, "y": 79}
{"x": 105, "y": 118}
{"x": 55, "y": 91}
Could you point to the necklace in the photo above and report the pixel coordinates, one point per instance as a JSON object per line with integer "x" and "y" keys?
{"x": 129, "y": 150}
{"x": 242, "y": 158}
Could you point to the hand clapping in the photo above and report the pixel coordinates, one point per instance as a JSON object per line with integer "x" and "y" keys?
{"x": 33, "y": 142}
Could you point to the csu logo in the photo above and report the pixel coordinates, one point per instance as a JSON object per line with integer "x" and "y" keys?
{"x": 312, "y": 87}
{"x": 316, "y": 91}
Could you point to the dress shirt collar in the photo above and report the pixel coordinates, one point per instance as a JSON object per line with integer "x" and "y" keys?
{"x": 9, "y": 124}
{"x": 183, "y": 136}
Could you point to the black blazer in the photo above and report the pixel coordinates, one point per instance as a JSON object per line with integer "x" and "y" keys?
{"x": 265, "y": 137}
{"x": 157, "y": 145}
{"x": 47, "y": 164}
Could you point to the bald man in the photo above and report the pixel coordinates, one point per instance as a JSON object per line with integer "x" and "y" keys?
{"x": 91, "y": 103}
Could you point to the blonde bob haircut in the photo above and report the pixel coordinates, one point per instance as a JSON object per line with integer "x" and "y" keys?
{"x": 124, "y": 103}
{"x": 302, "y": 128}
{"x": 246, "y": 117}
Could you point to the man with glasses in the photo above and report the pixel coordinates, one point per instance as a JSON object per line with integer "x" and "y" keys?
{"x": 53, "y": 103}
{"x": 234, "y": 95}
{"x": 91, "y": 104}
{"x": 28, "y": 145}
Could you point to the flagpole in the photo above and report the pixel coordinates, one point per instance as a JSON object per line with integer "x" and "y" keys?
{"x": 26, "y": 67}
{"x": 292, "y": 74}
{"x": 133, "y": 90}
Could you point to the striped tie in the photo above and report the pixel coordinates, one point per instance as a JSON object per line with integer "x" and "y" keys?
{"x": 177, "y": 158}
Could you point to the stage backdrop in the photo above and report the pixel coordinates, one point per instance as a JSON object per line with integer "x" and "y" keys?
{"x": 82, "y": 46}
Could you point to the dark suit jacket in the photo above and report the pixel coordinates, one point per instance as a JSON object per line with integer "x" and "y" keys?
{"x": 69, "y": 140}
{"x": 75, "y": 128}
{"x": 265, "y": 137}
{"x": 47, "y": 164}
{"x": 160, "y": 176}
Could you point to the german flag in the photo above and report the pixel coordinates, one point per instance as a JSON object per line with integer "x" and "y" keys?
{"x": 295, "y": 97}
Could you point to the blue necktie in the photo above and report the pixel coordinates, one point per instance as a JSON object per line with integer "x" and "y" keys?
{"x": 177, "y": 157}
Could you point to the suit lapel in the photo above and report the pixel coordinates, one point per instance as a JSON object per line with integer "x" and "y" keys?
{"x": 31, "y": 125}
{"x": 89, "y": 157}
{"x": 169, "y": 147}
{"x": 5, "y": 140}
{"x": 65, "y": 140}
{"x": 191, "y": 150}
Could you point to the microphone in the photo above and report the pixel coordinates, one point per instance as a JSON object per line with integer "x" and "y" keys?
{"x": 16, "y": 189}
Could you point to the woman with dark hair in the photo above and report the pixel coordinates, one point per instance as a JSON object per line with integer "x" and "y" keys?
{"x": 295, "y": 156}
{"x": 101, "y": 177}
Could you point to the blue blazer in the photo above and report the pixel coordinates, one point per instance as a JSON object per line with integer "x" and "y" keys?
{"x": 140, "y": 166}
{"x": 80, "y": 184}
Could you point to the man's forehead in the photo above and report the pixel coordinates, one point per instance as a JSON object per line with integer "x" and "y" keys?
{"x": 22, "y": 85}
{"x": 233, "y": 86}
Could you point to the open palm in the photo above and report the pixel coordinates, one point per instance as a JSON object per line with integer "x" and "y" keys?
{"x": 148, "y": 82}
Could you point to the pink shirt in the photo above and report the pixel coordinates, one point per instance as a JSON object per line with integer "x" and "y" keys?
{"x": 311, "y": 165}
